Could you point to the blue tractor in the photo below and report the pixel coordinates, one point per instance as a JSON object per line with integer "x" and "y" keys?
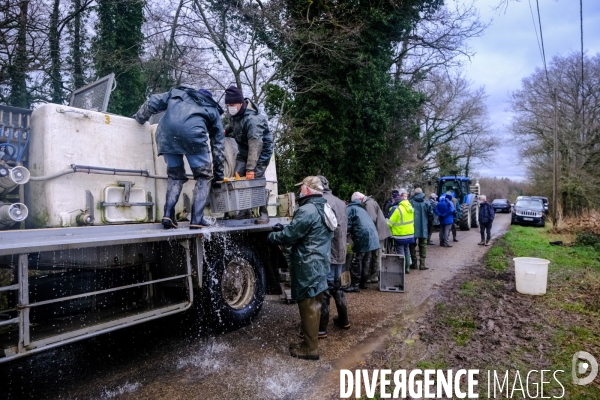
{"x": 460, "y": 187}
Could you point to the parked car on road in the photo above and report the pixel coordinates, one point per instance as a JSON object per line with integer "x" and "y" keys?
{"x": 529, "y": 211}
{"x": 501, "y": 205}
{"x": 544, "y": 199}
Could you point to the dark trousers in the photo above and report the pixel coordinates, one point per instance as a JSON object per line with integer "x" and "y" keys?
{"x": 485, "y": 228}
{"x": 422, "y": 244}
{"x": 453, "y": 230}
{"x": 361, "y": 264}
{"x": 429, "y": 230}
{"x": 444, "y": 233}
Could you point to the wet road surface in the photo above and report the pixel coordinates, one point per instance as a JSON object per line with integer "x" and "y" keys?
{"x": 177, "y": 358}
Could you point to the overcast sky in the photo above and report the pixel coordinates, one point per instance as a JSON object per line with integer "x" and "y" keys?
{"x": 508, "y": 52}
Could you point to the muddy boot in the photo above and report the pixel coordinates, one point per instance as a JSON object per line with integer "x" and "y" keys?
{"x": 198, "y": 202}
{"x": 263, "y": 217}
{"x": 422, "y": 266}
{"x": 175, "y": 181}
{"x": 310, "y": 310}
{"x": 244, "y": 214}
{"x": 324, "y": 320}
{"x": 342, "y": 309}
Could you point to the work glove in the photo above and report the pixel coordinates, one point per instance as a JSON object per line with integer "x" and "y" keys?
{"x": 277, "y": 228}
{"x": 134, "y": 116}
{"x": 216, "y": 184}
{"x": 249, "y": 175}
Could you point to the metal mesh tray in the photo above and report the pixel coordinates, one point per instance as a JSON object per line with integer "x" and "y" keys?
{"x": 238, "y": 195}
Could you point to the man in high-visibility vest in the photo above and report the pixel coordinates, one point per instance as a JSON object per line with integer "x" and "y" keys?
{"x": 401, "y": 220}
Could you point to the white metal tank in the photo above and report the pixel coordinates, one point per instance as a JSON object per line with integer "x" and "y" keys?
{"x": 63, "y": 137}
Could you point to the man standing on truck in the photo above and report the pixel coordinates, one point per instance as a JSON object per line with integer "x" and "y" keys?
{"x": 338, "y": 259}
{"x": 191, "y": 118}
{"x": 254, "y": 139}
{"x": 309, "y": 236}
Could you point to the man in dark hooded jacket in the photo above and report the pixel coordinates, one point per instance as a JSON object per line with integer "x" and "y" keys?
{"x": 254, "y": 139}
{"x": 364, "y": 240}
{"x": 383, "y": 232}
{"x": 338, "y": 259}
{"x": 310, "y": 241}
{"x": 423, "y": 217}
{"x": 191, "y": 118}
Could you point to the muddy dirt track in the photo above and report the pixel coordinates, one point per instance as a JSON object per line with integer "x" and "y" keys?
{"x": 177, "y": 359}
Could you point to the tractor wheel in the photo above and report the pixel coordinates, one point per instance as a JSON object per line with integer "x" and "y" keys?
{"x": 465, "y": 218}
{"x": 474, "y": 216}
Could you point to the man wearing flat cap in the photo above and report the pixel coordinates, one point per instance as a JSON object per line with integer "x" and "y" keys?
{"x": 254, "y": 139}
{"x": 309, "y": 235}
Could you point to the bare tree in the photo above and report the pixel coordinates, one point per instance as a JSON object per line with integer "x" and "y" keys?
{"x": 453, "y": 115}
{"x": 578, "y": 138}
{"x": 438, "y": 42}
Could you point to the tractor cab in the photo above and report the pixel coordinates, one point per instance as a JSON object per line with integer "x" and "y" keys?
{"x": 460, "y": 187}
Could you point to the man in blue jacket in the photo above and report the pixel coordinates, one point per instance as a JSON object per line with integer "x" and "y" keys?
{"x": 254, "y": 139}
{"x": 486, "y": 217}
{"x": 445, "y": 210}
{"x": 191, "y": 118}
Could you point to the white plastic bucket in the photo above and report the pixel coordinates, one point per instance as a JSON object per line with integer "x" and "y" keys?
{"x": 531, "y": 275}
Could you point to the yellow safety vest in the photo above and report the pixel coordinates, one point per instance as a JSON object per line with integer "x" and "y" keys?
{"x": 402, "y": 221}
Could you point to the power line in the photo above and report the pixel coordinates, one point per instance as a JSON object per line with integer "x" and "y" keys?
{"x": 582, "y": 87}
{"x": 542, "y": 40}
{"x": 537, "y": 38}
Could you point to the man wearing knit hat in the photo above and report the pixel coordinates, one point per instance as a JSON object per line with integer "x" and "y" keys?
{"x": 308, "y": 237}
{"x": 254, "y": 139}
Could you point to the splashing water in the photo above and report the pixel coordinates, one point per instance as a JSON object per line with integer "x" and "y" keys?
{"x": 120, "y": 390}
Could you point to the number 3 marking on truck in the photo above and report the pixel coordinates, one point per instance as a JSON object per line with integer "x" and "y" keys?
{"x": 106, "y": 119}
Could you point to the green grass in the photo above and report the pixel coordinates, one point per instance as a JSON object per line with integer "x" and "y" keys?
{"x": 571, "y": 300}
{"x": 525, "y": 241}
{"x": 496, "y": 259}
{"x": 468, "y": 289}
{"x": 424, "y": 364}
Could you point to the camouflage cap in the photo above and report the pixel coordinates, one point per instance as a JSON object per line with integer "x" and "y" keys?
{"x": 312, "y": 182}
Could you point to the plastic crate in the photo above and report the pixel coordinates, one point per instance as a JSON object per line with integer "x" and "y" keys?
{"x": 238, "y": 195}
{"x": 391, "y": 278}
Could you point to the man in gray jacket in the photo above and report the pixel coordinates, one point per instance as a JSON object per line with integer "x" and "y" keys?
{"x": 254, "y": 139}
{"x": 383, "y": 232}
{"x": 338, "y": 259}
{"x": 191, "y": 118}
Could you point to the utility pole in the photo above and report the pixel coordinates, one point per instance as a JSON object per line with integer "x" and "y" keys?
{"x": 555, "y": 186}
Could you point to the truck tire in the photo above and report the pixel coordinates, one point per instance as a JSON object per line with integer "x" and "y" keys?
{"x": 474, "y": 216}
{"x": 465, "y": 218}
{"x": 235, "y": 287}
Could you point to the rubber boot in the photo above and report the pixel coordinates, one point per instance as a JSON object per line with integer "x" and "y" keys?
{"x": 422, "y": 265}
{"x": 342, "y": 309}
{"x": 263, "y": 217}
{"x": 244, "y": 214}
{"x": 174, "y": 187}
{"x": 324, "y": 320}
{"x": 310, "y": 316}
{"x": 198, "y": 202}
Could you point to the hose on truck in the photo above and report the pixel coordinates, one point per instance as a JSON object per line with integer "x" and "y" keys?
{"x": 100, "y": 171}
